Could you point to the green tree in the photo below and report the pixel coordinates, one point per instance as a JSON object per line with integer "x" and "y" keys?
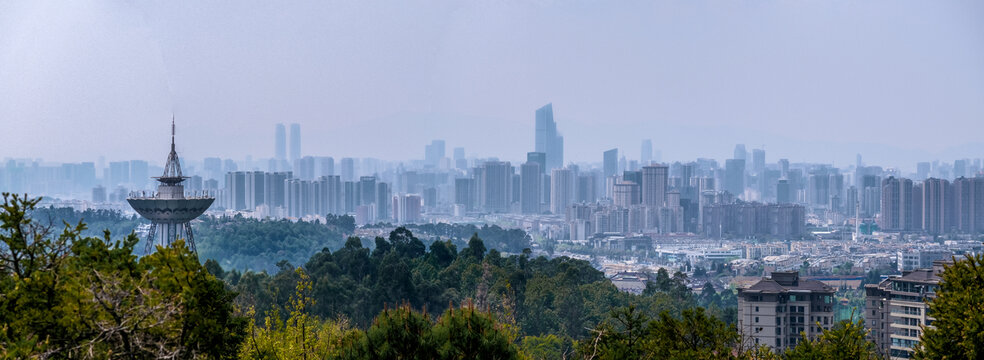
{"x": 73, "y": 296}
{"x": 467, "y": 333}
{"x": 300, "y": 336}
{"x": 845, "y": 340}
{"x": 958, "y": 331}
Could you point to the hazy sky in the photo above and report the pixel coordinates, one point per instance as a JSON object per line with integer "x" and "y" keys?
{"x": 898, "y": 81}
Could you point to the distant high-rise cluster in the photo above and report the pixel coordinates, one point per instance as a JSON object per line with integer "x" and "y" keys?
{"x": 934, "y": 206}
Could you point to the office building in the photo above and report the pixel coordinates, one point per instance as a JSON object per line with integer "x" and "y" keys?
{"x": 295, "y": 142}
{"x": 280, "y": 144}
{"x": 777, "y": 309}
{"x": 734, "y": 176}
{"x": 647, "y": 152}
{"x": 610, "y": 163}
{"x": 758, "y": 160}
{"x": 465, "y": 193}
{"x": 539, "y": 158}
{"x": 548, "y": 140}
{"x": 434, "y": 153}
{"x": 740, "y": 152}
{"x": 531, "y": 185}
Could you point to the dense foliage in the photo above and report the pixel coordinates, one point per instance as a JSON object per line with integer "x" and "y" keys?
{"x": 560, "y": 296}
{"x": 69, "y": 296}
{"x": 958, "y": 331}
{"x": 97, "y": 221}
{"x": 249, "y": 244}
{"x": 494, "y": 236}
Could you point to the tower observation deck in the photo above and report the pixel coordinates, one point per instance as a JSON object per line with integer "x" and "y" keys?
{"x": 169, "y": 209}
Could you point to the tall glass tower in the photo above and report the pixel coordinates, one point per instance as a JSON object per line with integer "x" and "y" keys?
{"x": 547, "y": 139}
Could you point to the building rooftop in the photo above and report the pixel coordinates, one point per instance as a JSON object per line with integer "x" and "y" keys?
{"x": 786, "y": 281}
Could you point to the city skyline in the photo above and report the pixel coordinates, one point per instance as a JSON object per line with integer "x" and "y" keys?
{"x": 778, "y": 75}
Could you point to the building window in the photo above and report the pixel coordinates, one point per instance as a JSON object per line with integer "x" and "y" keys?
{"x": 756, "y": 319}
{"x": 756, "y": 309}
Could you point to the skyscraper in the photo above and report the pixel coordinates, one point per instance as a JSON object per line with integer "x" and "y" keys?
{"x": 968, "y": 204}
{"x": 734, "y": 176}
{"x": 654, "y": 185}
{"x": 280, "y": 143}
{"x": 896, "y": 204}
{"x": 937, "y": 206}
{"x": 539, "y": 158}
{"x": 434, "y": 152}
{"x": 531, "y": 185}
{"x": 561, "y": 190}
{"x": 611, "y": 162}
{"x": 740, "y": 152}
{"x": 548, "y": 141}
{"x": 348, "y": 169}
{"x": 496, "y": 186}
{"x": 647, "y": 152}
{"x": 295, "y": 142}
{"x": 758, "y": 160}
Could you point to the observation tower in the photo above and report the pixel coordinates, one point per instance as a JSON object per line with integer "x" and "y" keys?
{"x": 170, "y": 210}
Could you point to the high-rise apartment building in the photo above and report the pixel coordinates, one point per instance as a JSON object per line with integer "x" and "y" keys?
{"x": 647, "y": 152}
{"x": 295, "y": 142}
{"x": 496, "y": 186}
{"x": 406, "y": 208}
{"x": 777, "y": 309}
{"x": 734, "y": 176}
{"x": 280, "y": 143}
{"x": 531, "y": 185}
{"x": 897, "y": 311}
{"x": 937, "y": 206}
{"x": 464, "y": 193}
{"x": 896, "y": 205}
{"x": 586, "y": 188}
{"x": 348, "y": 169}
{"x": 758, "y": 160}
{"x": 968, "y": 195}
{"x": 654, "y": 185}
{"x": 626, "y": 194}
{"x": 548, "y": 140}
{"x": 561, "y": 190}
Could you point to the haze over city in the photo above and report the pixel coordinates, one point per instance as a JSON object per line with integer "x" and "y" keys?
{"x": 898, "y": 82}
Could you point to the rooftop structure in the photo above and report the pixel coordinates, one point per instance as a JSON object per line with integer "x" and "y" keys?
{"x": 169, "y": 209}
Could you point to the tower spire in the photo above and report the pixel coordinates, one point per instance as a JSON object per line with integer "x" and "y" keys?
{"x": 172, "y": 168}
